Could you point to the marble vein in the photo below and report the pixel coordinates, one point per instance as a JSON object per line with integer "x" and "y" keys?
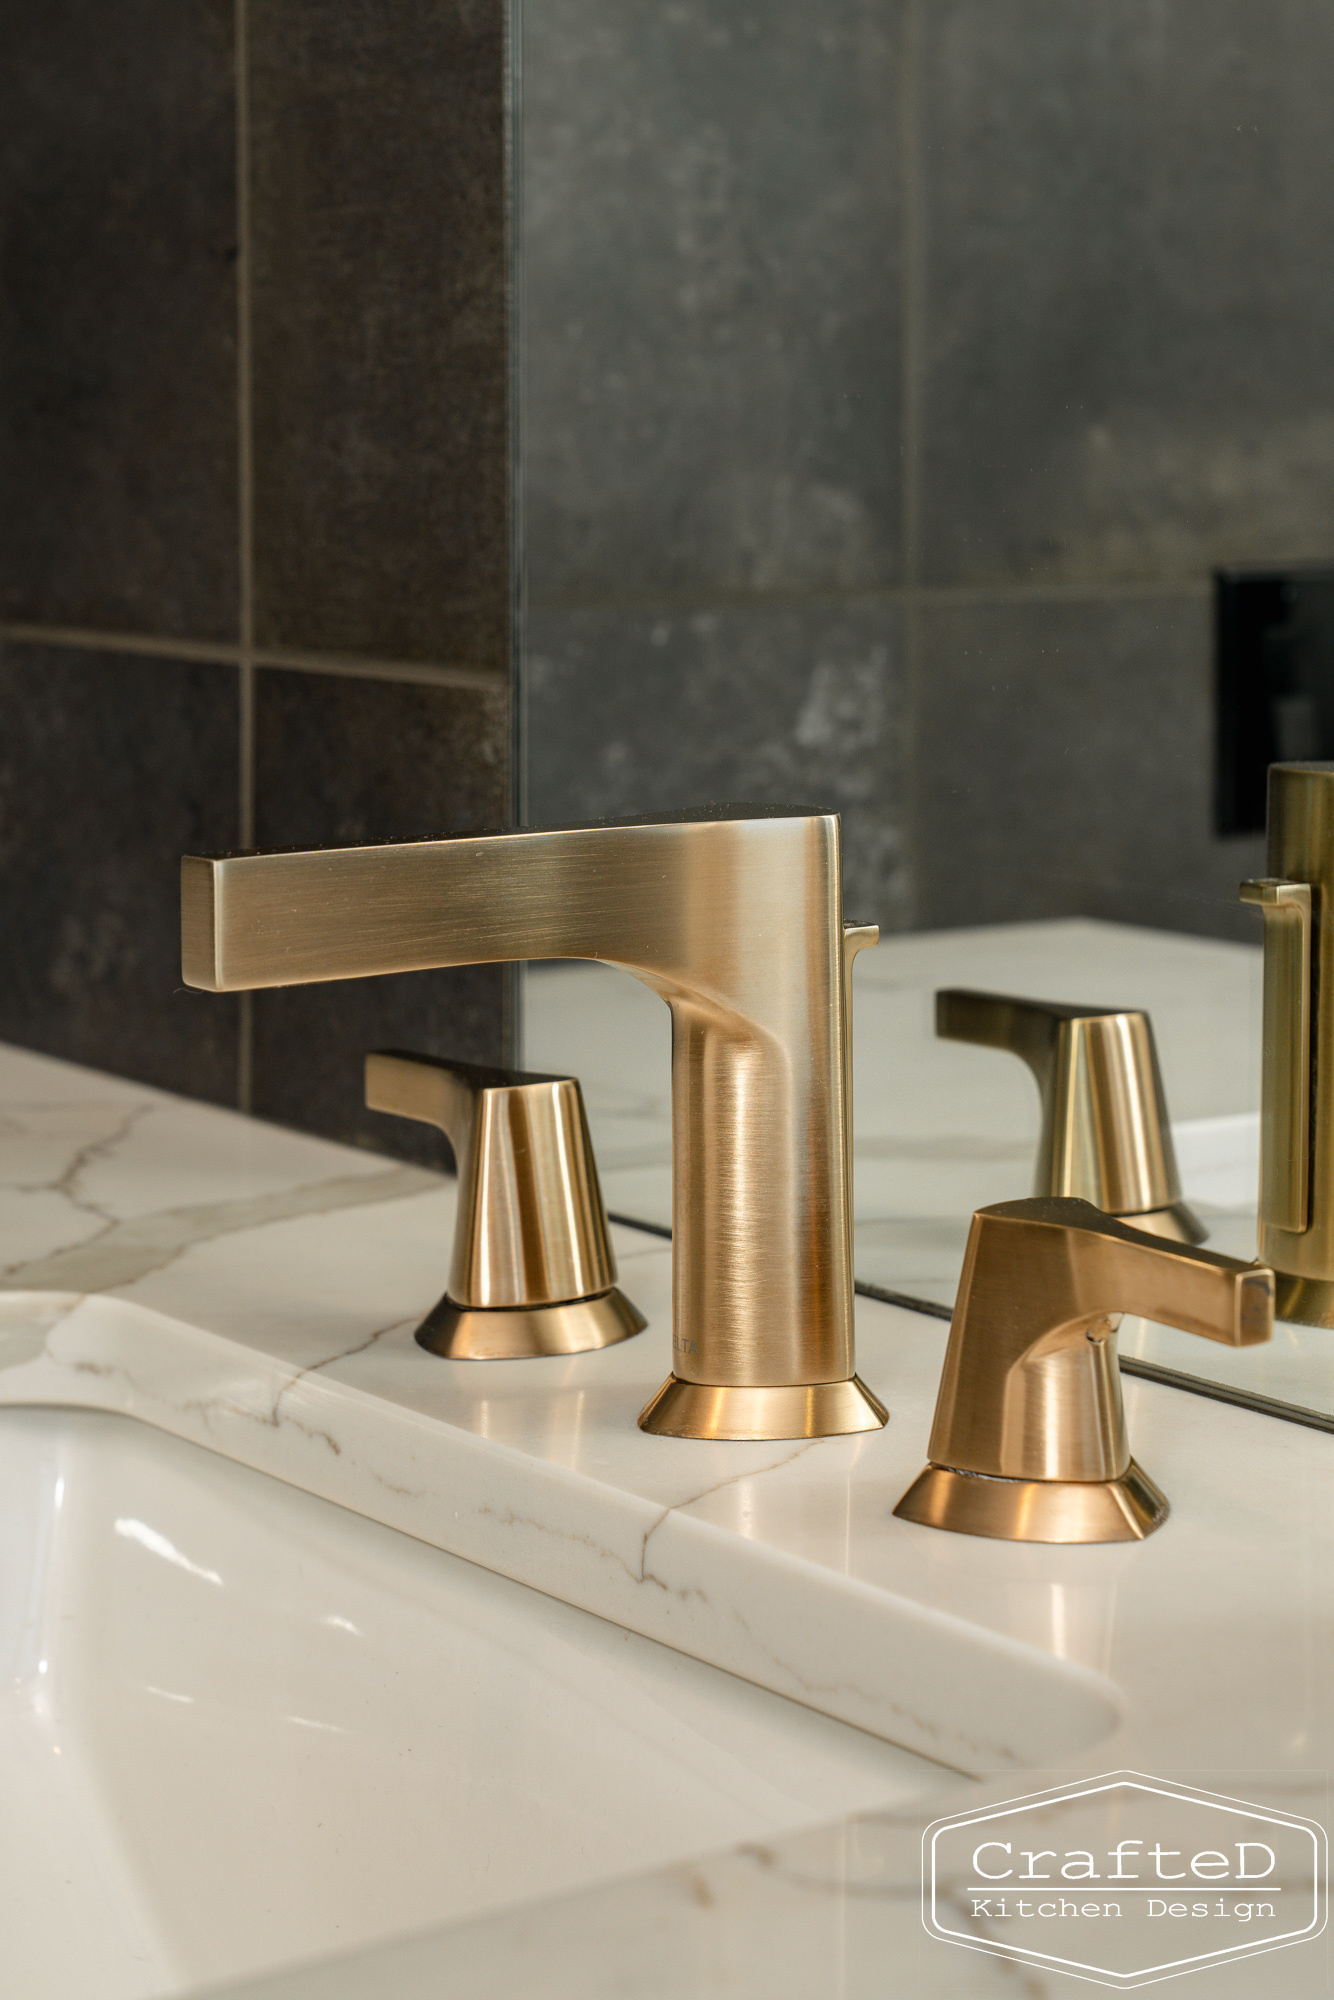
{"x": 126, "y": 1251}
{"x": 66, "y": 1182}
{"x": 646, "y": 1575}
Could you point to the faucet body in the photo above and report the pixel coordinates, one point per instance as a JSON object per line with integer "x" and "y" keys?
{"x": 736, "y": 922}
{"x": 1296, "y": 1233}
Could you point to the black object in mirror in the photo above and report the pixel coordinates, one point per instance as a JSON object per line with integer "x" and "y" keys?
{"x": 1274, "y": 647}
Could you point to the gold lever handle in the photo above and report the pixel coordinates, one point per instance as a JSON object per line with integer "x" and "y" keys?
{"x": 1285, "y": 1091}
{"x": 532, "y": 1271}
{"x": 1029, "y": 1440}
{"x": 1105, "y": 1131}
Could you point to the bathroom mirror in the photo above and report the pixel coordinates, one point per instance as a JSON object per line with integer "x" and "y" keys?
{"x": 903, "y": 393}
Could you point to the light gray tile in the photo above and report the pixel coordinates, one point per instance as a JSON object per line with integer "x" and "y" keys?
{"x": 1064, "y": 767}
{"x": 628, "y": 712}
{"x": 1127, "y": 213}
{"x": 710, "y": 270}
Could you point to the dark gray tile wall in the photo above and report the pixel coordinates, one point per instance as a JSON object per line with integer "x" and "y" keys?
{"x": 1064, "y": 766}
{"x": 710, "y": 271}
{"x": 780, "y": 704}
{"x": 379, "y": 320}
{"x": 118, "y": 248}
{"x": 109, "y": 767}
{"x": 1128, "y": 369}
{"x": 254, "y": 503}
{"x": 712, "y": 251}
{"x": 894, "y": 376}
{"x": 1018, "y": 327}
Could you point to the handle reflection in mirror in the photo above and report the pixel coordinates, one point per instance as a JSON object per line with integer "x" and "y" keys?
{"x": 1106, "y": 1136}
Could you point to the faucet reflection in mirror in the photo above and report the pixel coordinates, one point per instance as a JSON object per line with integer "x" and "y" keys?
{"x": 734, "y": 918}
{"x": 1296, "y": 1233}
{"x": 1106, "y": 1137}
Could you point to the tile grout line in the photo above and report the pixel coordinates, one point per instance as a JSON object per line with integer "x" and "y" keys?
{"x": 80, "y": 638}
{"x": 1055, "y": 591}
{"x": 488, "y": 680}
{"x": 911, "y": 311}
{"x": 245, "y": 665}
{"x": 220, "y": 653}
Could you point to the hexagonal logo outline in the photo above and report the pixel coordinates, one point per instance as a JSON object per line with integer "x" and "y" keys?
{"x": 1129, "y": 1781}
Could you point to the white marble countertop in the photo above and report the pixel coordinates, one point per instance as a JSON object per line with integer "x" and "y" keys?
{"x": 254, "y": 1291}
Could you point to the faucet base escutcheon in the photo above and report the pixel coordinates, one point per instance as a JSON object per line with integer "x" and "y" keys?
{"x": 756, "y": 1412}
{"x": 1036, "y": 1510}
{"x": 518, "y": 1333}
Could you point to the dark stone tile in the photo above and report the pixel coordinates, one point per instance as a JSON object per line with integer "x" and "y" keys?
{"x": 118, "y": 316}
{"x": 710, "y": 268}
{"x": 381, "y": 443}
{"x": 111, "y": 768}
{"x": 628, "y": 713}
{"x": 1064, "y": 760}
{"x": 339, "y": 761}
{"x": 1129, "y": 288}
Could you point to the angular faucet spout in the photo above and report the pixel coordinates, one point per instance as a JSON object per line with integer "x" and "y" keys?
{"x": 735, "y": 920}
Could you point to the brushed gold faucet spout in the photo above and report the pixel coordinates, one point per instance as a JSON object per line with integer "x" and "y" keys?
{"x": 735, "y": 920}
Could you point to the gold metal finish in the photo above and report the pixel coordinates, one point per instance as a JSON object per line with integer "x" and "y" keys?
{"x": 1030, "y": 1395}
{"x": 531, "y": 1228}
{"x": 500, "y": 1334}
{"x": 1297, "y": 1078}
{"x": 819, "y": 1409}
{"x": 1285, "y": 1089}
{"x": 856, "y": 938}
{"x": 1105, "y": 1131}
{"x": 734, "y": 919}
{"x": 533, "y": 1269}
{"x": 1125, "y": 1509}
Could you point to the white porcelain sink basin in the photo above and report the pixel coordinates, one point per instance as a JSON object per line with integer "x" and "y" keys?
{"x": 240, "y": 1726}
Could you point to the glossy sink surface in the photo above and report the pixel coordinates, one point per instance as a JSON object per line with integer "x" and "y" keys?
{"x": 240, "y": 1727}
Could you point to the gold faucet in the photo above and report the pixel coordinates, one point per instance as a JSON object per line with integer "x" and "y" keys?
{"x": 734, "y": 919}
{"x": 1029, "y": 1441}
{"x": 1105, "y": 1132}
{"x": 532, "y": 1271}
{"x": 1296, "y": 1230}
